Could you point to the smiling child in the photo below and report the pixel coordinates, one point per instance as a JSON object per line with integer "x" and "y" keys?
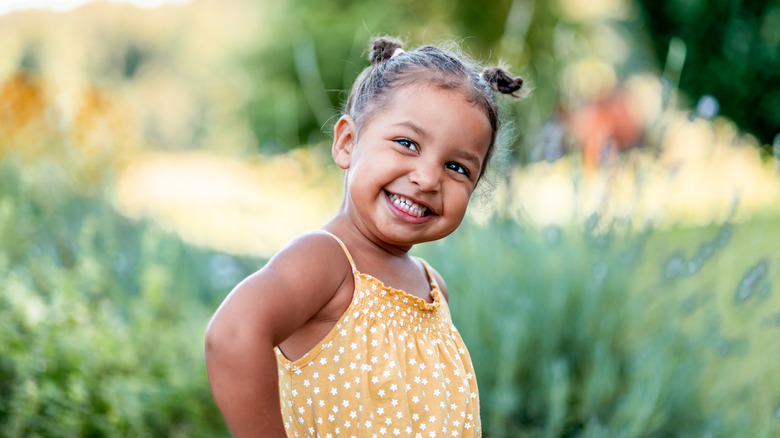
{"x": 343, "y": 333}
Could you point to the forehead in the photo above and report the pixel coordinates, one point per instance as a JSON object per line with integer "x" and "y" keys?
{"x": 403, "y": 87}
{"x": 447, "y": 114}
{"x": 446, "y": 99}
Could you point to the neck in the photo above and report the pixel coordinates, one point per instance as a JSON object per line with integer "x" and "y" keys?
{"x": 352, "y": 231}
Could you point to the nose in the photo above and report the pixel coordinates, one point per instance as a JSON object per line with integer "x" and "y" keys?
{"x": 426, "y": 176}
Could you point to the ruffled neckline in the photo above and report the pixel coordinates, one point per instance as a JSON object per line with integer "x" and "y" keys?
{"x": 404, "y": 296}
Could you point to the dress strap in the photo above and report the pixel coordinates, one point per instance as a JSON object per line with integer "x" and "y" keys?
{"x": 429, "y": 273}
{"x": 344, "y": 247}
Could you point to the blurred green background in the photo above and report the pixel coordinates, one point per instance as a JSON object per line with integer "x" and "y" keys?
{"x": 614, "y": 277}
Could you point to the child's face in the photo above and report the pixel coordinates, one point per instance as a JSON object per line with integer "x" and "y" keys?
{"x": 414, "y": 164}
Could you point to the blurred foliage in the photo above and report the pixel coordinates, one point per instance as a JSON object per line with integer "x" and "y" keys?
{"x": 593, "y": 333}
{"x": 571, "y": 53}
{"x": 731, "y": 51}
{"x": 101, "y": 318}
{"x": 315, "y": 56}
{"x": 307, "y": 70}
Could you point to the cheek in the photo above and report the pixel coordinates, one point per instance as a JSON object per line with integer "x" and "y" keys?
{"x": 461, "y": 199}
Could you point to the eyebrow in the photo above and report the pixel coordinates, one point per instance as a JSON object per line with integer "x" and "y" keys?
{"x": 419, "y": 130}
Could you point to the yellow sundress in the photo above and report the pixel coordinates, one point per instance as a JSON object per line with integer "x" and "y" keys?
{"x": 392, "y": 366}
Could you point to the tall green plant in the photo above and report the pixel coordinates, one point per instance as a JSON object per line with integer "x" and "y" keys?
{"x": 732, "y": 53}
{"x": 582, "y": 334}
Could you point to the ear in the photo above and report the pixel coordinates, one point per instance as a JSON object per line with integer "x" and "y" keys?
{"x": 344, "y": 136}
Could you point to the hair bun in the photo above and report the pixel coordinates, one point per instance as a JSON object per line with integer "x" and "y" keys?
{"x": 501, "y": 81}
{"x": 383, "y": 49}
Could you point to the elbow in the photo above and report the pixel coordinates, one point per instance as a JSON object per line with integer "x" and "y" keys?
{"x": 228, "y": 340}
{"x": 217, "y": 341}
{"x": 226, "y": 352}
{"x": 211, "y": 340}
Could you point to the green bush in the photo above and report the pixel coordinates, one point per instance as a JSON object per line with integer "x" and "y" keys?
{"x": 101, "y": 318}
{"x": 613, "y": 334}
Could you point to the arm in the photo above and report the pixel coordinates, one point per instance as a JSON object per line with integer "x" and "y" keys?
{"x": 262, "y": 311}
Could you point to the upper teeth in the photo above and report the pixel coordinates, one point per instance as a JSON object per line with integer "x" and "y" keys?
{"x": 407, "y": 206}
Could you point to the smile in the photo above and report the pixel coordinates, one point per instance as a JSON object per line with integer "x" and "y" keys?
{"x": 407, "y": 206}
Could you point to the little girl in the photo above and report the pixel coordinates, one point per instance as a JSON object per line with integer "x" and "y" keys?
{"x": 343, "y": 333}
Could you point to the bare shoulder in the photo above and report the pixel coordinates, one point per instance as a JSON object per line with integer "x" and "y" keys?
{"x": 306, "y": 272}
{"x": 440, "y": 281}
{"x": 290, "y": 289}
{"x": 313, "y": 258}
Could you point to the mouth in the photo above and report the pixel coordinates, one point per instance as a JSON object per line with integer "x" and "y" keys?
{"x": 408, "y": 206}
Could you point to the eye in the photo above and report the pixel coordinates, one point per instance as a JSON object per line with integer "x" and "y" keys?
{"x": 407, "y": 144}
{"x": 459, "y": 168}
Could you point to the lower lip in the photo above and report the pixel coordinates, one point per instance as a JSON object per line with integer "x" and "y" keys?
{"x": 406, "y": 217}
